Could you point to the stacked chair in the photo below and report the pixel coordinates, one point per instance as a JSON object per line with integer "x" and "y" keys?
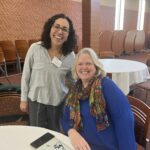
{"x": 116, "y": 43}
{"x": 10, "y": 113}
{"x": 118, "y": 39}
{"x": 14, "y": 53}
{"x": 148, "y": 39}
{"x": 31, "y": 41}
{"x": 139, "y": 42}
{"x": 3, "y": 67}
{"x": 10, "y": 54}
{"x": 22, "y": 47}
{"x": 105, "y": 39}
{"x": 10, "y": 90}
{"x": 148, "y": 61}
{"x": 129, "y": 42}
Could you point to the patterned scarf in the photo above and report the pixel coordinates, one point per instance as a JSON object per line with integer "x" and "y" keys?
{"x": 96, "y": 101}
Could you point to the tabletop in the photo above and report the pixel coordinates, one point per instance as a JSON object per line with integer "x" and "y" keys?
{"x": 19, "y": 137}
{"x": 126, "y": 72}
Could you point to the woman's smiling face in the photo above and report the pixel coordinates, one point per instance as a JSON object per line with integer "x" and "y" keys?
{"x": 59, "y": 32}
{"x": 85, "y": 68}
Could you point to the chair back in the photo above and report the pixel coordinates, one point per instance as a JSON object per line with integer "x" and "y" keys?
{"x": 9, "y": 50}
{"x": 118, "y": 42}
{"x": 148, "y": 39}
{"x": 10, "y": 53}
{"x": 148, "y": 61}
{"x": 2, "y": 58}
{"x": 105, "y": 39}
{"x": 139, "y": 43}
{"x": 10, "y": 113}
{"x": 3, "y": 67}
{"x": 31, "y": 41}
{"x": 142, "y": 121}
{"x": 14, "y": 79}
{"x": 129, "y": 41}
{"x": 22, "y": 47}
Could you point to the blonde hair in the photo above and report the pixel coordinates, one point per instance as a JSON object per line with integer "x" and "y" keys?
{"x": 95, "y": 59}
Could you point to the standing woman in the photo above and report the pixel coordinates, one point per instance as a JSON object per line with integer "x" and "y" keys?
{"x": 97, "y": 115}
{"x": 46, "y": 67}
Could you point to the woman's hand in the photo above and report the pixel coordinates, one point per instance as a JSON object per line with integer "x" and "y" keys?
{"x": 24, "y": 106}
{"x": 77, "y": 140}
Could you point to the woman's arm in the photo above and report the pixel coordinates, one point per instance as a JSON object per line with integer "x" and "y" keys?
{"x": 65, "y": 121}
{"x": 78, "y": 142}
{"x": 121, "y": 115}
{"x": 26, "y": 74}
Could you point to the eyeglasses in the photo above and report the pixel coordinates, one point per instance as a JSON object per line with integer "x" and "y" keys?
{"x": 58, "y": 27}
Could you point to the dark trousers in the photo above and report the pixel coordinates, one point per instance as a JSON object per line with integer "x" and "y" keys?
{"x": 46, "y": 116}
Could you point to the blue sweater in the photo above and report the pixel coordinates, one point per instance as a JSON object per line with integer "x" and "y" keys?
{"x": 120, "y": 133}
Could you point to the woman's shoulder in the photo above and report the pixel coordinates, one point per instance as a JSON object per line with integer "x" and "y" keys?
{"x": 107, "y": 81}
{"x": 112, "y": 91}
{"x": 35, "y": 47}
{"x": 108, "y": 84}
{"x": 70, "y": 57}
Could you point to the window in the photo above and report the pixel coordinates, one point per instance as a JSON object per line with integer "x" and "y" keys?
{"x": 119, "y": 14}
{"x": 141, "y": 13}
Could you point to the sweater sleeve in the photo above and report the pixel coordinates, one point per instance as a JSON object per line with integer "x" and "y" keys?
{"x": 26, "y": 73}
{"x": 65, "y": 120}
{"x": 121, "y": 115}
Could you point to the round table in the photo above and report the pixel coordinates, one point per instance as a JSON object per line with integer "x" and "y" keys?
{"x": 125, "y": 72}
{"x": 20, "y": 137}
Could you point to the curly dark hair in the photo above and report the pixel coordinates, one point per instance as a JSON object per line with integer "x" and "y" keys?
{"x": 69, "y": 45}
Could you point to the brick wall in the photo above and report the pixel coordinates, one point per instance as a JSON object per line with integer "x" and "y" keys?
{"x": 24, "y": 19}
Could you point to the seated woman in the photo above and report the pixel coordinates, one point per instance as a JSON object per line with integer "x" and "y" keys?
{"x": 97, "y": 115}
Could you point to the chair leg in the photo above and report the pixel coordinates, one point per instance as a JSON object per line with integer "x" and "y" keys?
{"x": 5, "y": 68}
{"x": 19, "y": 65}
{"x": 4, "y": 71}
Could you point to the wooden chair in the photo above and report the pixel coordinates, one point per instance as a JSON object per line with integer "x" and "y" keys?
{"x": 118, "y": 42}
{"x": 105, "y": 40}
{"x": 4, "y": 80}
{"x": 10, "y": 53}
{"x": 22, "y": 47}
{"x": 10, "y": 113}
{"x": 139, "y": 42}
{"x": 148, "y": 61}
{"x": 31, "y": 41}
{"x": 142, "y": 121}
{"x": 3, "y": 67}
{"x": 129, "y": 41}
{"x": 148, "y": 39}
{"x": 15, "y": 79}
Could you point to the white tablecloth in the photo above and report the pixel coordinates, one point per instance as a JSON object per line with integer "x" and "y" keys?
{"x": 126, "y": 72}
{"x": 20, "y": 137}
